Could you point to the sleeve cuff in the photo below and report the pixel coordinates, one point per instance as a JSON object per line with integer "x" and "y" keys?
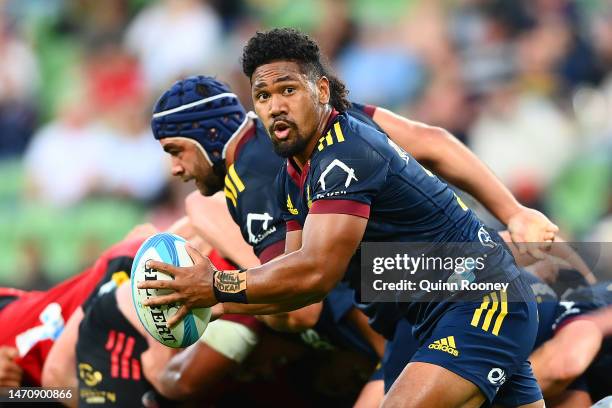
{"x": 272, "y": 251}
{"x": 293, "y": 225}
{"x": 341, "y": 207}
{"x": 369, "y": 110}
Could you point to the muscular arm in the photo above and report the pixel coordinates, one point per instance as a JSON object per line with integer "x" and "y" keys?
{"x": 193, "y": 372}
{"x": 293, "y": 242}
{"x": 213, "y": 222}
{"x": 449, "y": 158}
{"x": 60, "y": 367}
{"x": 360, "y": 321}
{"x": 446, "y": 156}
{"x": 308, "y": 274}
{"x": 560, "y": 360}
{"x": 292, "y": 281}
{"x": 602, "y": 319}
{"x": 296, "y": 320}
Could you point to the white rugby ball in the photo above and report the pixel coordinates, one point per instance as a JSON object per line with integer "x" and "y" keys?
{"x": 170, "y": 249}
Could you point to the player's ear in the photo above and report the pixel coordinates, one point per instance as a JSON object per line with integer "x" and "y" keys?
{"x": 324, "y": 90}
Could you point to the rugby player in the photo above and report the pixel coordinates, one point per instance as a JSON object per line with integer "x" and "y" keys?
{"x": 221, "y": 129}
{"x": 560, "y": 360}
{"x": 573, "y": 354}
{"x": 203, "y": 369}
{"x": 104, "y": 347}
{"x": 195, "y": 117}
{"x": 569, "y": 338}
{"x": 391, "y": 198}
{"x": 32, "y": 321}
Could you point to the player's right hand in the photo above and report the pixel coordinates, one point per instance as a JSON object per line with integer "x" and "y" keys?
{"x": 10, "y": 372}
{"x": 192, "y": 286}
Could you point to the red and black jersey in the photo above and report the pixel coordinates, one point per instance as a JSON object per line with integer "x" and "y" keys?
{"x": 109, "y": 349}
{"x": 108, "y": 357}
{"x": 34, "y": 320}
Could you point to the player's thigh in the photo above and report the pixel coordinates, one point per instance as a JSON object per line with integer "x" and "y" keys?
{"x": 484, "y": 344}
{"x": 429, "y": 385}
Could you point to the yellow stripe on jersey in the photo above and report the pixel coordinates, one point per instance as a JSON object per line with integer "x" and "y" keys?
{"x": 230, "y": 186}
{"x": 451, "y": 341}
{"x": 490, "y": 312}
{"x": 328, "y": 139}
{"x": 229, "y": 195}
{"x": 321, "y": 145}
{"x": 461, "y": 203}
{"x": 502, "y": 314}
{"x": 338, "y": 131}
{"x": 492, "y": 304}
{"x": 234, "y": 176}
{"x": 478, "y": 312}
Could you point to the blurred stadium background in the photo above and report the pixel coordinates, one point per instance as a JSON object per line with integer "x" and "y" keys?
{"x": 527, "y": 84}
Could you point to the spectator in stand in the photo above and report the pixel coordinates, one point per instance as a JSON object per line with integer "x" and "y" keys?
{"x": 18, "y": 85}
{"x": 174, "y": 38}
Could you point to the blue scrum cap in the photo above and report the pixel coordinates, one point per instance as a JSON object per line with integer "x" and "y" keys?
{"x": 200, "y": 109}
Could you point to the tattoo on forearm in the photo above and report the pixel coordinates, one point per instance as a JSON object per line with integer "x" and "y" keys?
{"x": 230, "y": 281}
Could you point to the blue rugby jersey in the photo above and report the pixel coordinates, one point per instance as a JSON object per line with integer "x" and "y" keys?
{"x": 252, "y": 201}
{"x": 357, "y": 170}
{"x": 583, "y": 300}
{"x": 548, "y": 306}
{"x": 250, "y": 193}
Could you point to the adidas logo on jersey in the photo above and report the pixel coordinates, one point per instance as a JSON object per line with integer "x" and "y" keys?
{"x": 446, "y": 344}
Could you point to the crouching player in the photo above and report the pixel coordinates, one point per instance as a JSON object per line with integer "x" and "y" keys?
{"x": 32, "y": 321}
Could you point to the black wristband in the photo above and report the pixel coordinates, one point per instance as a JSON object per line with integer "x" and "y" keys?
{"x": 230, "y": 286}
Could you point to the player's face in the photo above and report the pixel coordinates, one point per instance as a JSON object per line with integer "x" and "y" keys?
{"x": 189, "y": 163}
{"x": 289, "y": 104}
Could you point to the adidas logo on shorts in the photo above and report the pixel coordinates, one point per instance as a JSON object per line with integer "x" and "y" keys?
{"x": 446, "y": 344}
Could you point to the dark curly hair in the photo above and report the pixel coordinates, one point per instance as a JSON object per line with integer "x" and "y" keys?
{"x": 289, "y": 44}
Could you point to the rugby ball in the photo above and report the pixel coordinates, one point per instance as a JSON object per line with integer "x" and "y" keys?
{"x": 170, "y": 249}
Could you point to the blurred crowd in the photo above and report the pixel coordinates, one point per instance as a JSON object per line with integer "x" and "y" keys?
{"x": 526, "y": 84}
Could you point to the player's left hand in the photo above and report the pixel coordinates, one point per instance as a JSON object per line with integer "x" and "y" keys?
{"x": 192, "y": 286}
{"x": 532, "y": 232}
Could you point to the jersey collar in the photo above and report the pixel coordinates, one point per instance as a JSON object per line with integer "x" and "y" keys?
{"x": 249, "y": 134}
